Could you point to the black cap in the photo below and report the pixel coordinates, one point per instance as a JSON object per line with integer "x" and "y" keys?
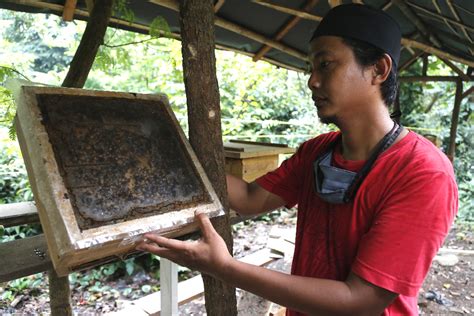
{"x": 364, "y": 23}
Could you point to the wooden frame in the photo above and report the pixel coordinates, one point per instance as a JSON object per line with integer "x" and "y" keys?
{"x": 69, "y": 246}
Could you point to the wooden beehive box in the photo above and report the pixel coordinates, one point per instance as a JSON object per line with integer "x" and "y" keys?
{"x": 105, "y": 168}
{"x": 250, "y": 160}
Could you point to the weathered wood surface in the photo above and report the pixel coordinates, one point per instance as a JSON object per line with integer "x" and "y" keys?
{"x": 21, "y": 213}
{"x": 250, "y": 150}
{"x": 24, "y": 257}
{"x": 205, "y": 135}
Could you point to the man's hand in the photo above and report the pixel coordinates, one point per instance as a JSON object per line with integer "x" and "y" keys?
{"x": 208, "y": 255}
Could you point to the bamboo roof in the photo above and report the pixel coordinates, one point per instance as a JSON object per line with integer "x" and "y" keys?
{"x": 278, "y": 31}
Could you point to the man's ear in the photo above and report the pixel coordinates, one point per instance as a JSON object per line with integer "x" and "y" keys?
{"x": 382, "y": 69}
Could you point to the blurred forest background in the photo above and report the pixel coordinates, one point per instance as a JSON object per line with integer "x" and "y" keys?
{"x": 259, "y": 102}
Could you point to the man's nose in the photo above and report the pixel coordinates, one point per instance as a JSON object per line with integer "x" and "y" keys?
{"x": 313, "y": 81}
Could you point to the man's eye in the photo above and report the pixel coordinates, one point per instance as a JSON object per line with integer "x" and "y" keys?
{"x": 324, "y": 64}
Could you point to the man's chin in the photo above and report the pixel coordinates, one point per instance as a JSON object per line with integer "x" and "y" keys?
{"x": 327, "y": 119}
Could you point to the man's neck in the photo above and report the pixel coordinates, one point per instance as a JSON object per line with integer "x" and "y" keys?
{"x": 361, "y": 134}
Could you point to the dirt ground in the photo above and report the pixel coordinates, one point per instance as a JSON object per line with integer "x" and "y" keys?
{"x": 447, "y": 290}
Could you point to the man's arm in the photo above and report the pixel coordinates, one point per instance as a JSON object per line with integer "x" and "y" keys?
{"x": 250, "y": 198}
{"x": 354, "y": 296}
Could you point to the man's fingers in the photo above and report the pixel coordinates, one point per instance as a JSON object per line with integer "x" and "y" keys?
{"x": 157, "y": 250}
{"x": 206, "y": 226}
{"x": 166, "y": 242}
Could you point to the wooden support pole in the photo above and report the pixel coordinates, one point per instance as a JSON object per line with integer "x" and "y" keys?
{"x": 168, "y": 287}
{"x": 92, "y": 38}
{"x": 425, "y": 65}
{"x": 205, "y": 134}
{"x": 467, "y": 92}
{"x": 454, "y": 121}
{"x": 285, "y": 29}
{"x": 455, "y": 69}
{"x": 69, "y": 8}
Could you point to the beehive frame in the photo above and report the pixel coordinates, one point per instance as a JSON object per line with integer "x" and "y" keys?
{"x": 70, "y": 244}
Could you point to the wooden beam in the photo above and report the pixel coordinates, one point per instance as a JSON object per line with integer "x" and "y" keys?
{"x": 435, "y": 51}
{"x": 410, "y": 61}
{"x": 456, "y": 15}
{"x": 92, "y": 38}
{"x": 233, "y": 27}
{"x": 435, "y": 4}
{"x": 14, "y": 214}
{"x": 456, "y": 69}
{"x": 285, "y": 29}
{"x": 295, "y": 12}
{"x": 218, "y": 5}
{"x": 334, "y": 3}
{"x": 89, "y": 5}
{"x": 205, "y": 133}
{"x": 405, "y": 41}
{"x": 432, "y": 78}
{"x": 454, "y": 121}
{"x": 412, "y": 17}
{"x": 467, "y": 92}
{"x": 24, "y": 257}
{"x": 69, "y": 8}
{"x": 438, "y": 16}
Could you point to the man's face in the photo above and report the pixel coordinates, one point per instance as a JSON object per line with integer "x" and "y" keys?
{"x": 340, "y": 86}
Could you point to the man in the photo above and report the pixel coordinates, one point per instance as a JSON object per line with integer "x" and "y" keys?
{"x": 375, "y": 201}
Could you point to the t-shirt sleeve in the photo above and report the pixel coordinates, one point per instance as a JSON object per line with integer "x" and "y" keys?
{"x": 285, "y": 180}
{"x": 397, "y": 251}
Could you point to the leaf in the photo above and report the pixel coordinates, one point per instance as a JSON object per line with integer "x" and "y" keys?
{"x": 129, "y": 266}
{"x": 146, "y": 288}
{"x": 159, "y": 27}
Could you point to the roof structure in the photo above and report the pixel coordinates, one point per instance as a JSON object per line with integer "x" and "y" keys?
{"x": 278, "y": 31}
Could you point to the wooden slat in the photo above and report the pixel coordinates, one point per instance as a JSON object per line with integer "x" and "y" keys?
{"x": 233, "y": 27}
{"x": 439, "y": 16}
{"x": 288, "y": 10}
{"x": 218, "y": 5}
{"x": 69, "y": 8}
{"x": 24, "y": 257}
{"x": 18, "y": 214}
{"x": 285, "y": 29}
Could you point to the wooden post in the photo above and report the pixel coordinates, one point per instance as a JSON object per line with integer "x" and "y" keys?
{"x": 205, "y": 135}
{"x": 92, "y": 38}
{"x": 59, "y": 291}
{"x": 168, "y": 287}
{"x": 454, "y": 120}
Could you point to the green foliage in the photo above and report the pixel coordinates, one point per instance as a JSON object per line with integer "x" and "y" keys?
{"x": 14, "y": 184}
{"x": 23, "y": 286}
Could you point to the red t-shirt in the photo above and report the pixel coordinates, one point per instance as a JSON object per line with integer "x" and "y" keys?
{"x": 389, "y": 234}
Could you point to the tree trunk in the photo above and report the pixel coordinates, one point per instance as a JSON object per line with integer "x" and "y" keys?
{"x": 205, "y": 135}
{"x": 59, "y": 290}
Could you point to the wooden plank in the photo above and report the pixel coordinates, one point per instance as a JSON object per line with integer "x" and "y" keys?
{"x": 69, "y": 8}
{"x": 258, "y": 143}
{"x": 249, "y": 150}
{"x": 467, "y": 92}
{"x": 24, "y": 257}
{"x": 18, "y": 214}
